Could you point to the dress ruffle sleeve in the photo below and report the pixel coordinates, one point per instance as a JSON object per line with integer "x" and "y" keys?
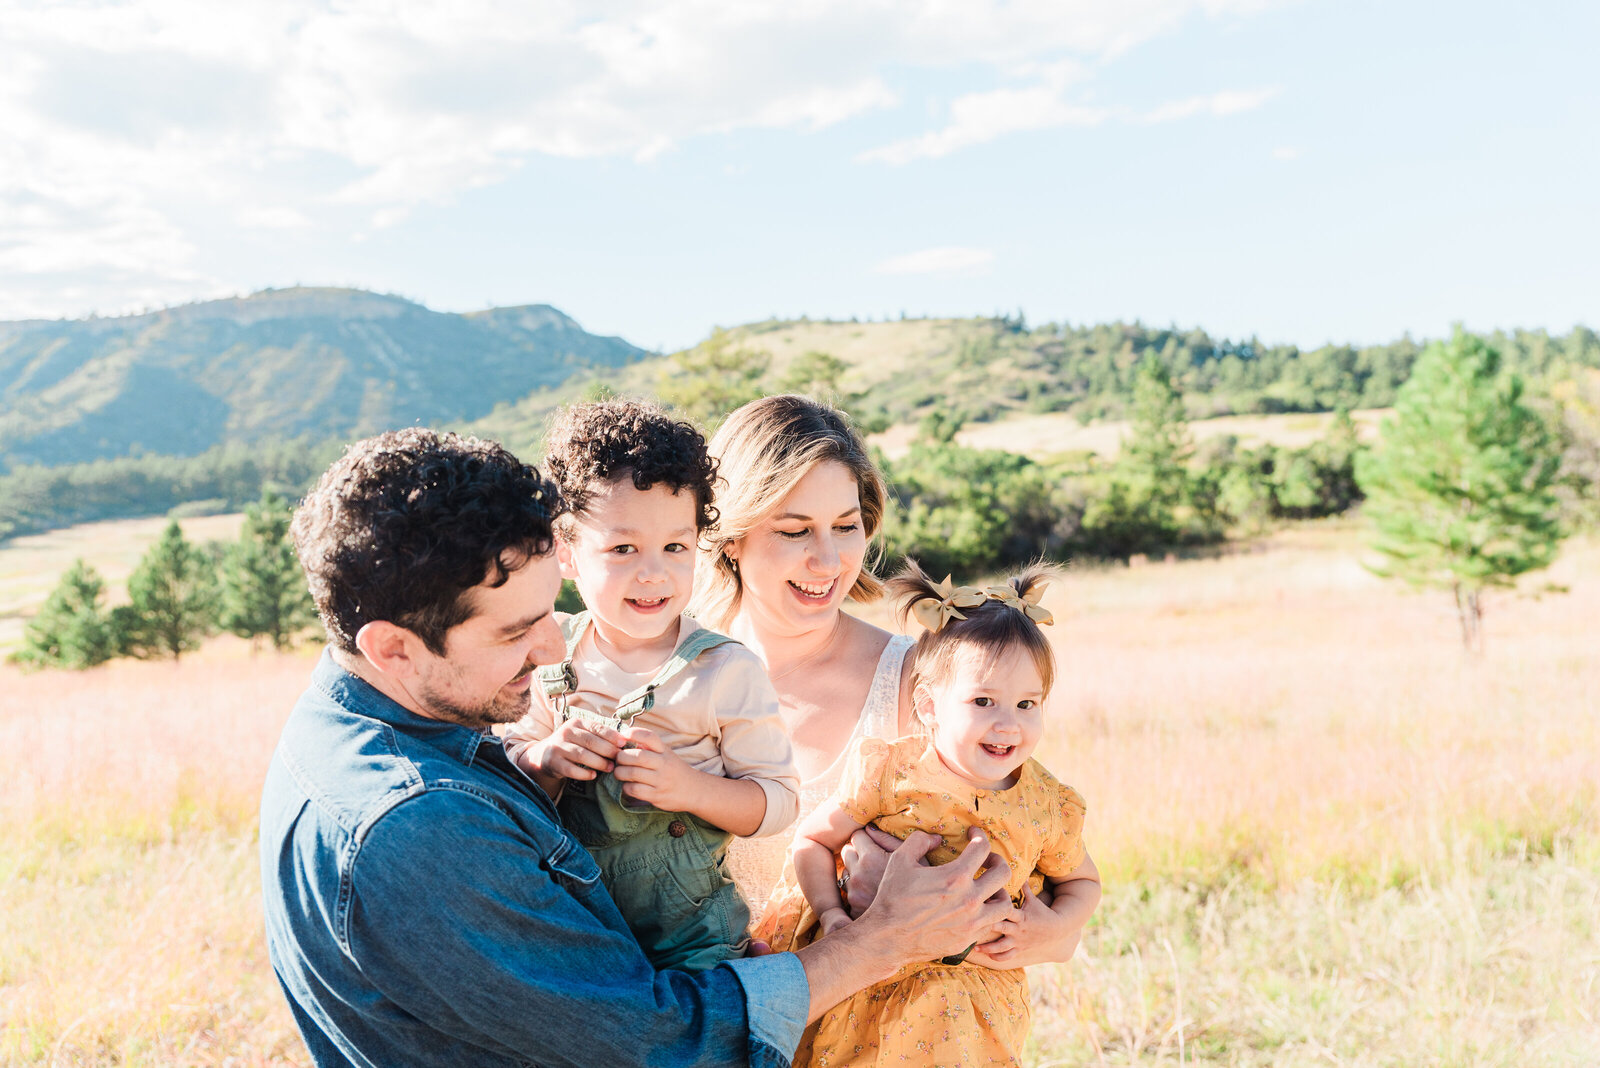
{"x": 864, "y": 790}
{"x": 1063, "y": 851}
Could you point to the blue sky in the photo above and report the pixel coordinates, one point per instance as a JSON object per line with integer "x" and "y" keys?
{"x": 1304, "y": 172}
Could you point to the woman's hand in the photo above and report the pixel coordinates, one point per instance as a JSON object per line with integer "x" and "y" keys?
{"x": 1034, "y": 934}
{"x": 865, "y": 856}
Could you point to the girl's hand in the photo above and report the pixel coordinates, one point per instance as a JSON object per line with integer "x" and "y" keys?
{"x": 865, "y": 856}
{"x": 650, "y": 771}
{"x": 1033, "y": 934}
{"x": 833, "y": 919}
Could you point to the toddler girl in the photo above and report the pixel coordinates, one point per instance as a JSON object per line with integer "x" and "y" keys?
{"x": 981, "y": 673}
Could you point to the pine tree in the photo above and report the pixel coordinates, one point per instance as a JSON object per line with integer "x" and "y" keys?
{"x": 71, "y": 630}
{"x": 1460, "y": 492}
{"x": 173, "y": 593}
{"x": 264, "y": 594}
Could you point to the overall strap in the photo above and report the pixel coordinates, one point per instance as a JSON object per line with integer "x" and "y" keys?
{"x": 644, "y": 698}
{"x": 558, "y": 680}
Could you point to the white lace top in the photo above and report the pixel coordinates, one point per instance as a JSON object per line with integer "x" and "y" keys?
{"x": 756, "y": 863}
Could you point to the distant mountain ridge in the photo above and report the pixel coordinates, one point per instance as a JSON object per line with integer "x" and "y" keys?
{"x": 320, "y": 362}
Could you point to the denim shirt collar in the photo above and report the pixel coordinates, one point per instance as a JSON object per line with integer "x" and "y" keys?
{"x": 360, "y": 696}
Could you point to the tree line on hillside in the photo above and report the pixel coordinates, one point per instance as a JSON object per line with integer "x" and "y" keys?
{"x": 178, "y": 594}
{"x": 1474, "y": 483}
{"x": 221, "y": 479}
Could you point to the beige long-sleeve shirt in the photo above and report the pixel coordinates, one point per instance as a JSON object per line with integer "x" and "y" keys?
{"x": 720, "y": 714}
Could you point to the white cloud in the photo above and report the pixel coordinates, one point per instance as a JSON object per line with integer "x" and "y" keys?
{"x": 1229, "y": 102}
{"x": 145, "y": 123}
{"x": 947, "y": 260}
{"x": 1286, "y": 153}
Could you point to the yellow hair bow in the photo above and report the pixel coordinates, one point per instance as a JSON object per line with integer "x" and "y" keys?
{"x": 934, "y": 612}
{"x": 1027, "y": 604}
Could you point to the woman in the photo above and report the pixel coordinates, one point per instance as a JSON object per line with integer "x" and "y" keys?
{"x": 801, "y": 504}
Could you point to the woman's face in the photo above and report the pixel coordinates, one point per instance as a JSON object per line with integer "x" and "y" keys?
{"x": 800, "y": 561}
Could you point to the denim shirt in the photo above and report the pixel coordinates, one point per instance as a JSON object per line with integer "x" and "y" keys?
{"x": 424, "y": 906}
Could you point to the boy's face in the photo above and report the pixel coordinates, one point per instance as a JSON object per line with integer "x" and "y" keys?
{"x": 631, "y": 553}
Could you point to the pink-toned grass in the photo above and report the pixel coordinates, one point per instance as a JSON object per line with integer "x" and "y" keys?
{"x": 1327, "y": 836}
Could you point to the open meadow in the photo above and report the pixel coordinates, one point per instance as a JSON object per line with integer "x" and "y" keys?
{"x": 1327, "y": 837}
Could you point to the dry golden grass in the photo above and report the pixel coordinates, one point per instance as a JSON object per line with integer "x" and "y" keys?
{"x": 1327, "y": 837}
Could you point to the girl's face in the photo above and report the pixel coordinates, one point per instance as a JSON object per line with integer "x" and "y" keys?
{"x": 987, "y": 717}
{"x": 799, "y": 562}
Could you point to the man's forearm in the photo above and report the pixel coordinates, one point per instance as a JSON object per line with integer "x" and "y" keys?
{"x": 849, "y": 960}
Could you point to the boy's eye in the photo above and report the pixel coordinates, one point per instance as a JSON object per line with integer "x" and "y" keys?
{"x": 983, "y": 702}
{"x": 1027, "y": 702}
{"x": 622, "y": 550}
{"x": 677, "y": 547}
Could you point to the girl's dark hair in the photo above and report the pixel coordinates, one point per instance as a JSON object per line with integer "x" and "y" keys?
{"x": 592, "y": 445}
{"x": 992, "y": 626}
{"x": 405, "y": 524}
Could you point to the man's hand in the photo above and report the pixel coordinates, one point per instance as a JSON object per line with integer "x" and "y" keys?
{"x": 1033, "y": 934}
{"x": 920, "y": 914}
{"x": 575, "y": 750}
{"x": 650, "y": 771}
{"x": 940, "y": 911}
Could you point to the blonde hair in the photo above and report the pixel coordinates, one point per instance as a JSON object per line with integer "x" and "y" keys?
{"x": 763, "y": 450}
{"x": 991, "y": 626}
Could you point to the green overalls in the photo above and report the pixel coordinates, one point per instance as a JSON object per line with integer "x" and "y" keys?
{"x": 667, "y": 871}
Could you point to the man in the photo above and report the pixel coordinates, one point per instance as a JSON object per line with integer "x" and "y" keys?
{"x": 423, "y": 904}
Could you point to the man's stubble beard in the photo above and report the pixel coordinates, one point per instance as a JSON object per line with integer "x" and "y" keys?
{"x": 500, "y": 709}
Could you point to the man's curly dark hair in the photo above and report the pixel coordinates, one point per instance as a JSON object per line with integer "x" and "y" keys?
{"x": 591, "y": 445}
{"x": 405, "y": 523}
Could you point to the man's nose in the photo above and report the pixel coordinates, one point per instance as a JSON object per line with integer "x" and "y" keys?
{"x": 548, "y": 645}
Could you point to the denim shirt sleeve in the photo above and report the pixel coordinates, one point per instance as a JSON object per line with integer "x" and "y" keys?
{"x": 777, "y": 997}
{"x": 475, "y": 925}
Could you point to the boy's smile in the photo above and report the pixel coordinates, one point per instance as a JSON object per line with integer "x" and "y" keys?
{"x": 631, "y": 553}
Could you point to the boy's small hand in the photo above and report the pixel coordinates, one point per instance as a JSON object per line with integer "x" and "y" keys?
{"x": 575, "y": 750}
{"x": 650, "y": 771}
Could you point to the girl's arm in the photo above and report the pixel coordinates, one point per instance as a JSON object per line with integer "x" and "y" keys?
{"x": 1041, "y": 933}
{"x": 818, "y": 839}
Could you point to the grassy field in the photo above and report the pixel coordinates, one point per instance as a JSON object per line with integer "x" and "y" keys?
{"x": 30, "y": 566}
{"x": 1327, "y": 837}
{"x": 1044, "y": 436}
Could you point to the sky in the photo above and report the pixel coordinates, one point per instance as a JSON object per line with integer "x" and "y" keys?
{"x": 1303, "y": 172}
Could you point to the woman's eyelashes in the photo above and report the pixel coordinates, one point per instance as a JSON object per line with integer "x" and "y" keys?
{"x": 795, "y": 535}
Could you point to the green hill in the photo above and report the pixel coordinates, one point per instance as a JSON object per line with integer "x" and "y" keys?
{"x": 993, "y": 370}
{"x": 314, "y": 363}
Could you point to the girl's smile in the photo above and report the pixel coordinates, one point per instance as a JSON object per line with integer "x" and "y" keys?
{"x": 987, "y": 717}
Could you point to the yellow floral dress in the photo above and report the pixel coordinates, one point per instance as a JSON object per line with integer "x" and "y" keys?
{"x": 932, "y": 1013}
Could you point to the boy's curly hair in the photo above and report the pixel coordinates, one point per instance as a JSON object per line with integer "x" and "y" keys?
{"x": 406, "y": 523}
{"x": 591, "y": 445}
{"x": 992, "y": 626}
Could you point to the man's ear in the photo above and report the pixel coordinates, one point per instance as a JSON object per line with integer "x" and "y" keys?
{"x": 564, "y": 560}
{"x": 390, "y": 648}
